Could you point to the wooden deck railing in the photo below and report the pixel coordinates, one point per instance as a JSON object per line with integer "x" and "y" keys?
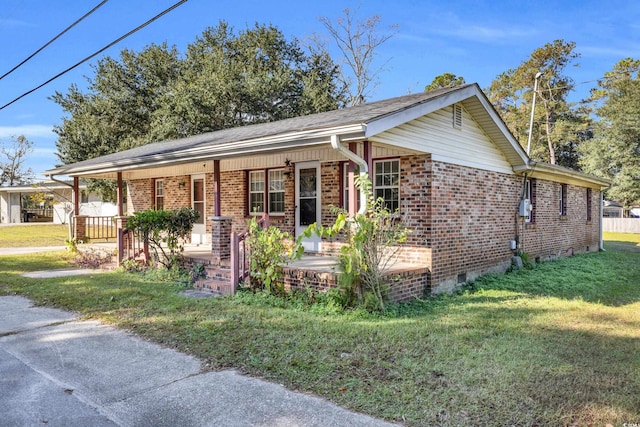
{"x": 100, "y": 227}
{"x": 131, "y": 246}
{"x": 240, "y": 261}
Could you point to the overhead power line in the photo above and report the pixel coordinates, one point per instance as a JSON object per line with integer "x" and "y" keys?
{"x": 52, "y": 40}
{"x": 118, "y": 40}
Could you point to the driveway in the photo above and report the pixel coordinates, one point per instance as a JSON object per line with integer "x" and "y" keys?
{"x": 56, "y": 370}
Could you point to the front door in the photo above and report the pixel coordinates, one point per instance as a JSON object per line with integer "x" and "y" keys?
{"x": 199, "y": 232}
{"x": 308, "y": 201}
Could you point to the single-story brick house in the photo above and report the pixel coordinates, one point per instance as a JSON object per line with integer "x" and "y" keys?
{"x": 444, "y": 159}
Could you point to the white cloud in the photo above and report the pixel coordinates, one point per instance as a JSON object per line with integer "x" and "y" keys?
{"x": 29, "y": 131}
{"x": 487, "y": 34}
{"x": 609, "y": 51}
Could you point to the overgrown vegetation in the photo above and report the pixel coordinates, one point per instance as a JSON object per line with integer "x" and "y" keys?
{"x": 270, "y": 249}
{"x": 165, "y": 231}
{"x": 555, "y": 345}
{"x": 372, "y": 242}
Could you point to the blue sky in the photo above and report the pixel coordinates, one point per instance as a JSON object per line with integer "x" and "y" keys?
{"x": 474, "y": 39}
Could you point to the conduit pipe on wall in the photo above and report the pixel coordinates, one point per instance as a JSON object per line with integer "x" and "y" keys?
{"x": 364, "y": 168}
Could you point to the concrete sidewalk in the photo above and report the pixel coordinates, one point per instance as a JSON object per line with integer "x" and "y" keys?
{"x": 58, "y": 371}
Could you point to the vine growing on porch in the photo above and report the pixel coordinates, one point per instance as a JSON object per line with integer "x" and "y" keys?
{"x": 372, "y": 242}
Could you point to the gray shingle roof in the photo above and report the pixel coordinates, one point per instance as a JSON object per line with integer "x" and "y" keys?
{"x": 357, "y": 115}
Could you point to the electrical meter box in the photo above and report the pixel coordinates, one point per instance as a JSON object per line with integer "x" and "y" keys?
{"x": 525, "y": 207}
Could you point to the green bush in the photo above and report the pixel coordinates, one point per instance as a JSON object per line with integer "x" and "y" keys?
{"x": 165, "y": 232}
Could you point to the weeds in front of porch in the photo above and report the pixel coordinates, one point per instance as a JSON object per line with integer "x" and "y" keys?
{"x": 372, "y": 242}
{"x": 92, "y": 258}
{"x": 269, "y": 252}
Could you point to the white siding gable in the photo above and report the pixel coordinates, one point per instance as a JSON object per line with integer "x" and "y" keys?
{"x": 435, "y": 134}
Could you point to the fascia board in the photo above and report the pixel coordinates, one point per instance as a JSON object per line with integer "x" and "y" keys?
{"x": 542, "y": 170}
{"x": 218, "y": 151}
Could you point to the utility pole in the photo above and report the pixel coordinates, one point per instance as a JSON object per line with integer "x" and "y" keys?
{"x": 533, "y": 110}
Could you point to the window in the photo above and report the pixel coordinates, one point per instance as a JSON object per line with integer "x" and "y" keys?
{"x": 256, "y": 192}
{"x": 563, "y": 200}
{"x": 276, "y": 191}
{"x": 345, "y": 186}
{"x": 159, "y": 195}
{"x": 272, "y": 191}
{"x": 589, "y": 200}
{"x": 386, "y": 184}
{"x": 198, "y": 198}
{"x": 84, "y": 196}
{"x": 530, "y": 193}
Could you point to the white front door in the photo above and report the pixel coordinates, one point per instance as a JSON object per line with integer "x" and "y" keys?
{"x": 198, "y": 203}
{"x": 308, "y": 206}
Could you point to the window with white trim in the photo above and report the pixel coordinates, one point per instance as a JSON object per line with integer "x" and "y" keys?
{"x": 276, "y": 191}
{"x": 562, "y": 197}
{"x": 256, "y": 192}
{"x": 386, "y": 182}
{"x": 159, "y": 195}
{"x": 270, "y": 189}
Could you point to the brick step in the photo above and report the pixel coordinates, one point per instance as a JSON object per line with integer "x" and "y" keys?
{"x": 217, "y": 273}
{"x": 216, "y": 286}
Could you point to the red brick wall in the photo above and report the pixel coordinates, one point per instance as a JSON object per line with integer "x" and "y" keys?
{"x": 473, "y": 219}
{"x": 551, "y": 235}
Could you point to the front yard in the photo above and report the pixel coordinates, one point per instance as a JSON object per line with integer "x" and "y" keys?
{"x": 557, "y": 345}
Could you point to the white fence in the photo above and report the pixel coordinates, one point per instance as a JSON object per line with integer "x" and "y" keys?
{"x": 621, "y": 225}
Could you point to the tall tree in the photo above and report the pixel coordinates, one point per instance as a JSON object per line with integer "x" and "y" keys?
{"x": 358, "y": 41}
{"x": 12, "y": 158}
{"x": 225, "y": 79}
{"x": 117, "y": 110}
{"x": 559, "y": 127}
{"x": 443, "y": 81}
{"x": 614, "y": 152}
{"x": 254, "y": 76}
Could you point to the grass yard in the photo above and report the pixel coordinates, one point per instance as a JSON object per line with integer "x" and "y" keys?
{"x": 557, "y": 345}
{"x": 32, "y": 235}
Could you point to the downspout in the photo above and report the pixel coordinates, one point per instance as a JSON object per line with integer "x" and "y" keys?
{"x": 364, "y": 168}
{"x": 70, "y": 233}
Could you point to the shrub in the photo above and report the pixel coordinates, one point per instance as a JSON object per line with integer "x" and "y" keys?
{"x": 165, "y": 232}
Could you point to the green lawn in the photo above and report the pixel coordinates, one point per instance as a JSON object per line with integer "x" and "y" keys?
{"x": 557, "y": 345}
{"x": 30, "y": 235}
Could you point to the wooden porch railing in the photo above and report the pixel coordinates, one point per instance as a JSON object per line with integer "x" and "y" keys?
{"x": 240, "y": 261}
{"x": 100, "y": 227}
{"x": 131, "y": 246}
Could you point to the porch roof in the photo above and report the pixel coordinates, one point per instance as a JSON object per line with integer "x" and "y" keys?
{"x": 354, "y": 123}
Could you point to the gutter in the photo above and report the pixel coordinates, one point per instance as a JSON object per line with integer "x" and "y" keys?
{"x": 364, "y": 168}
